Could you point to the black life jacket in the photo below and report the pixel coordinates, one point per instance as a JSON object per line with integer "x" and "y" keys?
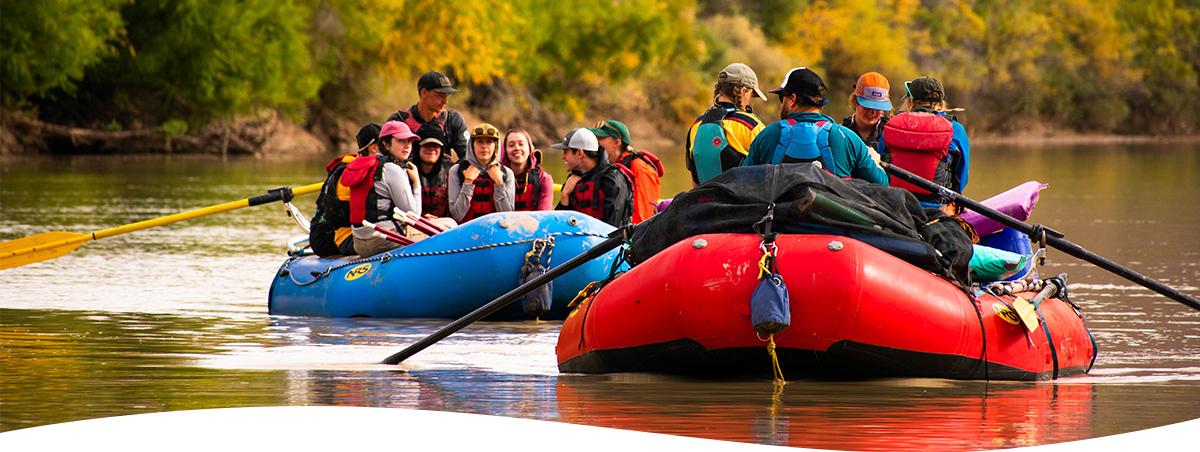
{"x": 435, "y": 127}
{"x": 434, "y": 198}
{"x": 588, "y": 197}
{"x": 332, "y": 211}
{"x": 483, "y": 199}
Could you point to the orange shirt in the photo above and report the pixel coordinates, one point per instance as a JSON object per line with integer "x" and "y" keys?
{"x": 646, "y": 188}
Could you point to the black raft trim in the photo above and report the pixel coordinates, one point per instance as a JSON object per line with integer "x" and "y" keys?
{"x": 843, "y": 360}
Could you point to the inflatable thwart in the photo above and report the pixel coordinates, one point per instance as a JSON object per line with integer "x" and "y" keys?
{"x": 449, "y": 274}
{"x": 1016, "y": 202}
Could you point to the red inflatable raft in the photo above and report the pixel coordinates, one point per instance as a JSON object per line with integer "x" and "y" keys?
{"x": 856, "y": 312}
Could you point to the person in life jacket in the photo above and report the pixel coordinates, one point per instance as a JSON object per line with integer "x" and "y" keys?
{"x": 870, "y": 105}
{"x": 925, "y": 140}
{"x": 721, "y": 137}
{"x": 613, "y": 136}
{"x": 534, "y": 186}
{"x": 804, "y": 134}
{"x": 379, "y": 184}
{"x": 434, "y": 169}
{"x": 329, "y": 232}
{"x": 429, "y": 114}
{"x": 479, "y": 184}
{"x": 594, "y": 186}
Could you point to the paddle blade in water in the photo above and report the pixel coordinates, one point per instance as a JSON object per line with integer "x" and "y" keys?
{"x": 39, "y": 248}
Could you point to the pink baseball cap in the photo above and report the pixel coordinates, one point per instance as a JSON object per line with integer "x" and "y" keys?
{"x": 397, "y": 129}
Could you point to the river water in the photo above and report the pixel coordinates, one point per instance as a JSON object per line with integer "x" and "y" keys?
{"x": 174, "y": 318}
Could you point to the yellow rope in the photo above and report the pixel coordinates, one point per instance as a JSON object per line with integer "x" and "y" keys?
{"x": 779, "y": 381}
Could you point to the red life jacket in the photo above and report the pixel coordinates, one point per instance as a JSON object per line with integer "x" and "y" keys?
{"x": 483, "y": 199}
{"x": 918, "y": 142}
{"x": 529, "y": 189}
{"x": 360, "y": 175}
{"x": 434, "y": 198}
{"x": 588, "y": 198}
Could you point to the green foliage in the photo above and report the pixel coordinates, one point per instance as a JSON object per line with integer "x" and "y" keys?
{"x": 1090, "y": 65}
{"x": 47, "y": 44}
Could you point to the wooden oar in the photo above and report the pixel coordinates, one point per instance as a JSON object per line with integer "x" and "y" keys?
{"x": 51, "y": 245}
{"x": 614, "y": 240}
{"x": 1052, "y": 238}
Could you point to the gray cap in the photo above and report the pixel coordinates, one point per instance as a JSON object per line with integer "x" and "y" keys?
{"x": 581, "y": 138}
{"x": 740, "y": 74}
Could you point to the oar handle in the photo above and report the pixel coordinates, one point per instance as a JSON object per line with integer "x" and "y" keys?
{"x": 1053, "y": 238}
{"x": 614, "y": 240}
{"x": 276, "y": 194}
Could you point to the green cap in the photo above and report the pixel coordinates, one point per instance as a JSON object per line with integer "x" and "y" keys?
{"x": 611, "y": 128}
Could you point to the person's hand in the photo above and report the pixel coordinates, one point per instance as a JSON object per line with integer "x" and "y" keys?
{"x": 568, "y": 186}
{"x": 413, "y": 177}
{"x": 496, "y": 174}
{"x": 874, "y": 156}
{"x": 470, "y": 174}
{"x": 430, "y": 216}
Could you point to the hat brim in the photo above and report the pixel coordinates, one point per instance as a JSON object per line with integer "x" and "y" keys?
{"x": 759, "y": 93}
{"x": 432, "y": 141}
{"x": 777, "y": 91}
{"x": 600, "y": 133}
{"x": 885, "y": 105}
{"x": 446, "y": 90}
{"x": 558, "y": 146}
{"x": 408, "y": 137}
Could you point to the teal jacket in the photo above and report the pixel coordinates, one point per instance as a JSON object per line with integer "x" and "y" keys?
{"x": 850, "y": 156}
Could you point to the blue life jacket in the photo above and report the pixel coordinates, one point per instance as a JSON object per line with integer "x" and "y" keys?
{"x": 710, "y": 143}
{"x": 805, "y": 142}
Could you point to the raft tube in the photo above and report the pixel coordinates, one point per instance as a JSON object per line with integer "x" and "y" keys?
{"x": 856, "y": 312}
{"x": 447, "y": 275}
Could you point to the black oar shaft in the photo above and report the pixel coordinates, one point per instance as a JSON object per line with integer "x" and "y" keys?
{"x": 1056, "y": 242}
{"x": 488, "y": 309}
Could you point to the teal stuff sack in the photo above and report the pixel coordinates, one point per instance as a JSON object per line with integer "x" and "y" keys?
{"x": 538, "y": 301}
{"x": 770, "y": 309}
{"x": 990, "y": 264}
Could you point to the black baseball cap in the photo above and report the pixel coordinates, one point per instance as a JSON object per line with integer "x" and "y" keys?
{"x": 927, "y": 89}
{"x": 367, "y": 134}
{"x": 805, "y": 84}
{"x": 436, "y": 81}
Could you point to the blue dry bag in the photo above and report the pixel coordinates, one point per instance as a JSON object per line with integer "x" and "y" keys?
{"x": 770, "y": 310}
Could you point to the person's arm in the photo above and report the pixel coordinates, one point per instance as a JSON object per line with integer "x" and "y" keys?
{"x": 399, "y": 188}
{"x": 460, "y": 193}
{"x": 964, "y": 145}
{"x": 616, "y": 194}
{"x": 689, "y": 159}
{"x": 504, "y": 196}
{"x": 456, "y": 131}
{"x": 545, "y": 200}
{"x": 864, "y": 167}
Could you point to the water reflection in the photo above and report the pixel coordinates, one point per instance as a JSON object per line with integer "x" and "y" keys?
{"x": 175, "y": 318}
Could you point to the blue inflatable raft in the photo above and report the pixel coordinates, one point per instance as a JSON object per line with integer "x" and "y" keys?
{"x": 449, "y": 274}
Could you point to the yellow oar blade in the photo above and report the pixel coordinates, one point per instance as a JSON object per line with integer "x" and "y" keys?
{"x": 54, "y": 244}
{"x": 39, "y": 248}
